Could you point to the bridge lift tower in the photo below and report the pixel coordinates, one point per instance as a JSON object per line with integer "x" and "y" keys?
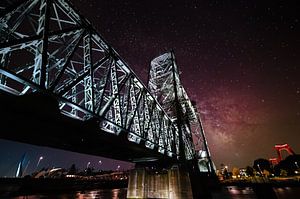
{"x": 165, "y": 85}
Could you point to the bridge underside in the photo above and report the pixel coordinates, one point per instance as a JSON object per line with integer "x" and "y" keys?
{"x": 36, "y": 119}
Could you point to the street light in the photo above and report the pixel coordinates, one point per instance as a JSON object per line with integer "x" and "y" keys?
{"x": 100, "y": 163}
{"x": 88, "y": 164}
{"x": 296, "y": 163}
{"x": 118, "y": 167}
{"x": 40, "y": 159}
{"x": 259, "y": 169}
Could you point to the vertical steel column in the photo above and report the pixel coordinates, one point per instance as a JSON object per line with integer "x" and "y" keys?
{"x": 3, "y": 64}
{"x": 88, "y": 79}
{"x": 41, "y": 57}
{"x": 74, "y": 100}
{"x": 115, "y": 93}
{"x": 134, "y": 104}
{"x": 211, "y": 166}
{"x": 178, "y": 112}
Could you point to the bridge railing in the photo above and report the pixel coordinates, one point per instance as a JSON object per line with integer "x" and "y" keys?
{"x": 47, "y": 46}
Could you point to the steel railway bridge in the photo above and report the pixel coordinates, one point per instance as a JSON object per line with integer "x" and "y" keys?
{"x": 62, "y": 85}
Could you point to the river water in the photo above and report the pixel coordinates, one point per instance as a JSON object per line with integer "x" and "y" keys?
{"x": 230, "y": 192}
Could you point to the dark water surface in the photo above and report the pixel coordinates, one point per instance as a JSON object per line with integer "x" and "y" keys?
{"x": 91, "y": 194}
{"x": 288, "y": 192}
{"x": 229, "y": 192}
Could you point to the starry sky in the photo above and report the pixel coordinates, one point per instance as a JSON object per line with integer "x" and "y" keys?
{"x": 239, "y": 60}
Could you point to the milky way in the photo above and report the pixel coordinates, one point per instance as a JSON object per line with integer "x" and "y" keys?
{"x": 238, "y": 60}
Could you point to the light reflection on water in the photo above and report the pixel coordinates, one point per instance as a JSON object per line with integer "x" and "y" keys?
{"x": 95, "y": 194}
{"x": 234, "y": 192}
{"x": 287, "y": 192}
{"x": 230, "y": 192}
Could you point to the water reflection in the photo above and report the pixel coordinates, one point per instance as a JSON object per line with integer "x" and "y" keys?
{"x": 230, "y": 192}
{"x": 235, "y": 192}
{"x": 94, "y": 194}
{"x": 287, "y": 192}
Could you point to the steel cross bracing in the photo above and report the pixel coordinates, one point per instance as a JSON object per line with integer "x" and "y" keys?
{"x": 47, "y": 46}
{"x": 165, "y": 85}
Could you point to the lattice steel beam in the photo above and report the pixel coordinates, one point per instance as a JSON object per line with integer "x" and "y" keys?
{"x": 47, "y": 46}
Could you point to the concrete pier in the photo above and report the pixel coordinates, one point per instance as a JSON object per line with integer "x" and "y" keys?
{"x": 173, "y": 183}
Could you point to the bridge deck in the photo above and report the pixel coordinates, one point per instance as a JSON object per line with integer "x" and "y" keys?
{"x": 36, "y": 119}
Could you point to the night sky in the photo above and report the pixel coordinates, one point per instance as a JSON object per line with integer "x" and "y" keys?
{"x": 239, "y": 60}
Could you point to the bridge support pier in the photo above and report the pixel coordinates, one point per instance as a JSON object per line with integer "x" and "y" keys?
{"x": 149, "y": 183}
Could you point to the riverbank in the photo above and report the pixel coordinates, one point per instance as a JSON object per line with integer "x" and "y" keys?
{"x": 274, "y": 182}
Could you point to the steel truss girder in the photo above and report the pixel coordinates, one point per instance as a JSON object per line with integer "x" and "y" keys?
{"x": 47, "y": 46}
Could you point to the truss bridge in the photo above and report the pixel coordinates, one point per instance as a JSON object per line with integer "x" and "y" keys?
{"x": 62, "y": 85}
